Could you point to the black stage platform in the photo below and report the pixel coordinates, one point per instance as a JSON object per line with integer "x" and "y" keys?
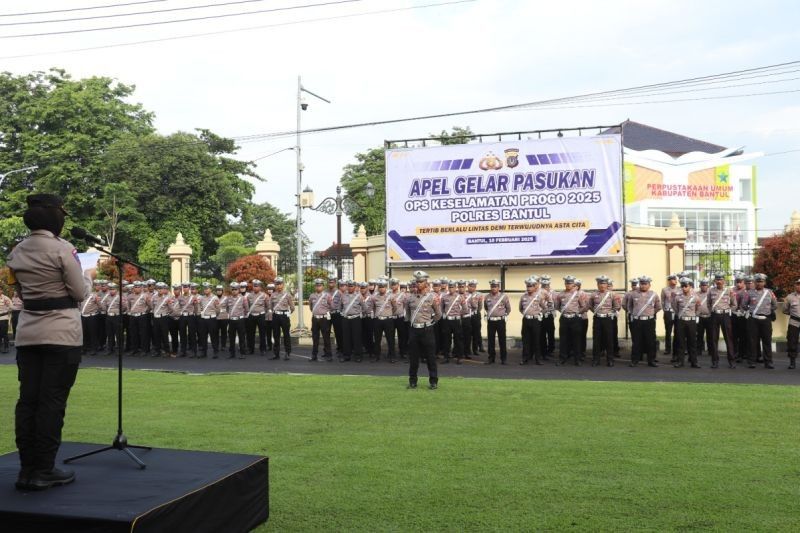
{"x": 179, "y": 491}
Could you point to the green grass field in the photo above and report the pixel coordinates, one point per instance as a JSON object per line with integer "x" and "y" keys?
{"x": 363, "y": 453}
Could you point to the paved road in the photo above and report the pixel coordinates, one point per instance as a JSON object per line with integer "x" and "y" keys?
{"x": 300, "y": 363}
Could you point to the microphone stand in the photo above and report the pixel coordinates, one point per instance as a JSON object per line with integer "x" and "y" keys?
{"x": 120, "y": 441}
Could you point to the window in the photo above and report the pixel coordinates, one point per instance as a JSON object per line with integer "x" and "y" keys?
{"x": 745, "y": 190}
{"x": 706, "y": 226}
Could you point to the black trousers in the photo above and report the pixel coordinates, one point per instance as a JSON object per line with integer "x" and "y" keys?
{"x": 102, "y": 334}
{"x": 603, "y": 338}
{"x": 237, "y": 328}
{"x": 194, "y": 326}
{"x": 351, "y": 337}
{"x": 721, "y": 322}
{"x": 139, "y": 333}
{"x": 496, "y": 328}
{"x": 401, "y": 327}
{"x": 569, "y": 334}
{"x": 113, "y": 333}
{"x": 367, "y": 335}
{"x": 174, "y": 334}
{"x": 615, "y": 327}
{"x": 643, "y": 333}
{"x": 548, "y": 342}
{"x": 669, "y": 324}
{"x": 46, "y": 375}
{"x": 161, "y": 334}
{"x": 383, "y": 329}
{"x": 453, "y": 338}
{"x": 14, "y": 320}
{"x": 760, "y": 338}
{"x": 222, "y": 332}
{"x": 584, "y": 334}
{"x": 126, "y": 331}
{"x": 89, "y": 326}
{"x": 466, "y": 335}
{"x": 280, "y": 325}
{"x": 792, "y": 334}
{"x": 147, "y": 332}
{"x": 477, "y": 339}
{"x": 531, "y": 339}
{"x": 704, "y": 335}
{"x": 741, "y": 342}
{"x": 268, "y": 323}
{"x": 422, "y": 346}
{"x": 257, "y": 322}
{"x": 686, "y": 339}
{"x": 187, "y": 334}
{"x": 437, "y": 330}
{"x": 208, "y": 328}
{"x": 320, "y": 327}
{"x": 3, "y": 333}
{"x": 336, "y": 324}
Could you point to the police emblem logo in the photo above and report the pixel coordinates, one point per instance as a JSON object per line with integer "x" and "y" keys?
{"x": 512, "y": 157}
{"x": 491, "y": 162}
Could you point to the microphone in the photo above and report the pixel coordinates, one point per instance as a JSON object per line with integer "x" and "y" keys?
{"x": 80, "y": 233}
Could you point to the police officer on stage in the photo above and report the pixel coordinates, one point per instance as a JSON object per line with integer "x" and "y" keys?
{"x": 497, "y": 307}
{"x": 320, "y": 302}
{"x": 643, "y": 306}
{"x": 686, "y": 305}
{"x": 423, "y": 308}
{"x": 791, "y": 307}
{"x": 47, "y": 275}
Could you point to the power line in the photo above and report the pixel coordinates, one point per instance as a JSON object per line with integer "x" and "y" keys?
{"x": 249, "y": 28}
{"x": 107, "y": 6}
{"x": 782, "y": 152}
{"x": 175, "y": 21}
{"x": 135, "y": 13}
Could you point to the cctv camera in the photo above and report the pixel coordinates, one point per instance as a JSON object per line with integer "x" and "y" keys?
{"x": 304, "y": 106}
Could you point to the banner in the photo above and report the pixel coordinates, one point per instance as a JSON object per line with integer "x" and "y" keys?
{"x": 553, "y": 199}
{"x": 642, "y": 183}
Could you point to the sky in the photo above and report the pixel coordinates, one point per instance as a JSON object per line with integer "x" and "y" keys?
{"x": 430, "y": 60}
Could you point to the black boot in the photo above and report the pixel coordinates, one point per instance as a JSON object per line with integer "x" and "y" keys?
{"x": 792, "y": 361}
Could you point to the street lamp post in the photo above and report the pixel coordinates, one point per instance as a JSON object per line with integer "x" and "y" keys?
{"x": 336, "y": 206}
{"x": 26, "y": 169}
{"x": 302, "y": 105}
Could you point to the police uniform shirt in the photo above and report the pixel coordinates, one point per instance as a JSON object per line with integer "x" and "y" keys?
{"x": 399, "y": 298}
{"x": 383, "y": 306}
{"x": 258, "y": 302}
{"x": 533, "y": 304}
{"x": 237, "y": 306}
{"x": 686, "y": 305}
{"x": 452, "y": 305}
{"x": 186, "y": 304}
{"x": 138, "y": 304}
{"x": 475, "y": 301}
{"x": 336, "y": 300}
{"x": 604, "y": 303}
{"x": 16, "y": 303}
{"x": 667, "y": 294}
{"x": 423, "y": 308}
{"x": 572, "y": 302}
{"x": 281, "y": 302}
{"x": 366, "y": 306}
{"x": 644, "y": 304}
{"x": 223, "y": 307}
{"x": 111, "y": 305}
{"x": 104, "y": 296}
{"x": 209, "y": 306}
{"x": 43, "y": 267}
{"x": 5, "y": 307}
{"x": 320, "y": 303}
{"x": 496, "y": 305}
{"x": 740, "y": 301}
{"x": 352, "y": 304}
{"x": 791, "y": 307}
{"x": 703, "y": 310}
{"x": 722, "y": 299}
{"x": 756, "y": 305}
{"x": 91, "y": 305}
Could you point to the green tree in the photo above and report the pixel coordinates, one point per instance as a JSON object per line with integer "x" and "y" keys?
{"x": 371, "y": 168}
{"x": 230, "y": 246}
{"x": 256, "y": 218}
{"x": 152, "y": 252}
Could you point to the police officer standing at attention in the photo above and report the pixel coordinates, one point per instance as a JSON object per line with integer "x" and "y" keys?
{"x": 791, "y": 307}
{"x": 570, "y": 303}
{"x": 548, "y": 341}
{"x": 666, "y": 300}
{"x": 532, "y": 305}
{"x": 111, "y": 315}
{"x": 686, "y": 306}
{"x": 352, "y": 309}
{"x": 207, "y": 323}
{"x": 335, "y": 289}
{"x": 476, "y": 304}
{"x": 466, "y": 320}
{"x": 47, "y": 275}
{"x": 739, "y": 320}
{"x": 320, "y": 302}
{"x": 721, "y": 302}
{"x": 5, "y": 315}
{"x": 761, "y": 303}
{"x": 383, "y": 307}
{"x": 237, "y": 314}
{"x": 604, "y": 307}
{"x": 452, "y": 309}
{"x": 497, "y": 307}
{"x": 422, "y": 309}
{"x": 282, "y": 305}
{"x": 162, "y": 303}
{"x": 256, "y": 319}
{"x": 643, "y": 306}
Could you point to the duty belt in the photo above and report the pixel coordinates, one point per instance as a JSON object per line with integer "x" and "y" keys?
{"x": 688, "y": 318}
{"x": 533, "y": 317}
{"x": 258, "y": 314}
{"x": 385, "y": 317}
{"x": 350, "y": 317}
{"x": 761, "y": 317}
{"x": 494, "y": 318}
{"x": 608, "y": 315}
{"x": 722, "y": 311}
{"x": 284, "y": 313}
{"x": 326, "y": 315}
{"x": 209, "y": 316}
{"x": 421, "y": 326}
{"x": 452, "y": 318}
{"x": 569, "y": 315}
{"x": 49, "y": 304}
{"x": 642, "y": 317}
